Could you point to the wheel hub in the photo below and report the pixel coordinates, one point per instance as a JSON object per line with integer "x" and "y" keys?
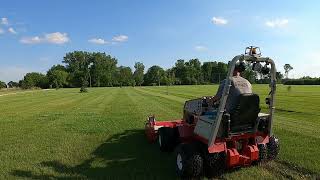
{"x": 179, "y": 162}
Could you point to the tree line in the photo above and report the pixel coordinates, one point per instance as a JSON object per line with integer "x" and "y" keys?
{"x": 96, "y": 69}
{"x": 306, "y": 80}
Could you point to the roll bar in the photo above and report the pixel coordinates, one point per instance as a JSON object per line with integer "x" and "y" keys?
{"x": 251, "y": 59}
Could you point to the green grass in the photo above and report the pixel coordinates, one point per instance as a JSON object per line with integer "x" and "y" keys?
{"x": 67, "y": 134}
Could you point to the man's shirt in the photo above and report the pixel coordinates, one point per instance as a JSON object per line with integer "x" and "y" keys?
{"x": 239, "y": 85}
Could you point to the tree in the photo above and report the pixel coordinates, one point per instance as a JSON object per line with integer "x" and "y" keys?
{"x": 279, "y": 76}
{"x": 207, "y": 69}
{"x": 250, "y": 75}
{"x": 3, "y": 85}
{"x": 170, "y": 77}
{"x": 287, "y": 68}
{"x": 194, "y": 75}
{"x": 180, "y": 72}
{"x": 125, "y": 76}
{"x": 138, "y": 73}
{"x": 220, "y": 72}
{"x": 103, "y": 69}
{"x": 154, "y": 75}
{"x": 57, "y": 76}
{"x": 13, "y": 84}
{"x": 35, "y": 79}
{"x": 77, "y": 64}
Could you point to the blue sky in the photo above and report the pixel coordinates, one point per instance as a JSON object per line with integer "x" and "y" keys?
{"x": 34, "y": 35}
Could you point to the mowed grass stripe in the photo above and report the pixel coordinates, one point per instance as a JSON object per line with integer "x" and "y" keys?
{"x": 163, "y": 106}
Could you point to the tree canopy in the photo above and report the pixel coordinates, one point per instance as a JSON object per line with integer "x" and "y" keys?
{"x": 2, "y": 85}
{"x": 96, "y": 69}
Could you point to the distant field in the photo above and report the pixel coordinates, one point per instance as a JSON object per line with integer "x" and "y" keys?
{"x": 66, "y": 134}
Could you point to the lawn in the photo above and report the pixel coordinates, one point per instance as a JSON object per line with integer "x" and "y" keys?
{"x": 67, "y": 134}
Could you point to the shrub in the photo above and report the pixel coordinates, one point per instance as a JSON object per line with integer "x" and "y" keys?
{"x": 83, "y": 89}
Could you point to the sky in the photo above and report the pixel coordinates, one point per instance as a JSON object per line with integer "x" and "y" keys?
{"x": 34, "y": 34}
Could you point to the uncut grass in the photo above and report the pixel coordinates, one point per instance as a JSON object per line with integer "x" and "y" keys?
{"x": 65, "y": 134}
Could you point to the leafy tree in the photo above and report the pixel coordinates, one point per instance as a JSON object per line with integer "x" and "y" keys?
{"x": 220, "y": 72}
{"x": 249, "y": 74}
{"x": 3, "y": 85}
{"x": 57, "y": 76}
{"x": 207, "y": 69}
{"x": 194, "y": 75}
{"x": 77, "y": 64}
{"x": 35, "y": 79}
{"x": 287, "y": 68}
{"x": 103, "y": 69}
{"x": 170, "y": 77}
{"x": 279, "y": 76}
{"x": 125, "y": 78}
{"x": 13, "y": 84}
{"x": 180, "y": 71}
{"x": 138, "y": 73}
{"x": 154, "y": 75}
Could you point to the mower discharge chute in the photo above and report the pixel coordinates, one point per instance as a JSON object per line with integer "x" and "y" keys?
{"x": 208, "y": 145}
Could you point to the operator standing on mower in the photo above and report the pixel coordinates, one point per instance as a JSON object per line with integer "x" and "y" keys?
{"x": 239, "y": 86}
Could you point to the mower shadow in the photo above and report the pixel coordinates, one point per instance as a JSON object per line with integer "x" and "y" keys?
{"x": 127, "y": 155}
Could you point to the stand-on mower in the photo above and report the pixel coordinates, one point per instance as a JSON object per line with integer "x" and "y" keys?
{"x": 207, "y": 144}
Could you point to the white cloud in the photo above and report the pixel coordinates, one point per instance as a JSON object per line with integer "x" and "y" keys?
{"x": 57, "y": 38}
{"x": 12, "y": 31}
{"x": 1, "y": 31}
{"x": 219, "y": 21}
{"x": 4, "y": 21}
{"x": 97, "y": 41}
{"x": 277, "y": 23}
{"x": 31, "y": 40}
{"x": 120, "y": 38}
{"x": 200, "y": 48}
{"x": 53, "y": 38}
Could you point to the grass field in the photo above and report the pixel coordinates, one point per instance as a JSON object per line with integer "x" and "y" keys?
{"x": 66, "y": 134}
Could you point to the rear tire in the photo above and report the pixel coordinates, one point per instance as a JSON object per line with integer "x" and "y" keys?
{"x": 273, "y": 148}
{"x": 189, "y": 162}
{"x": 167, "y": 139}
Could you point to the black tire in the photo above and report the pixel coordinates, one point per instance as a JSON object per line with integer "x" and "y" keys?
{"x": 189, "y": 162}
{"x": 263, "y": 153}
{"x": 167, "y": 139}
{"x": 273, "y": 148}
{"x": 215, "y": 164}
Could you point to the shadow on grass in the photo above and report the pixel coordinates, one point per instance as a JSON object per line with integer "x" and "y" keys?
{"x": 123, "y": 156}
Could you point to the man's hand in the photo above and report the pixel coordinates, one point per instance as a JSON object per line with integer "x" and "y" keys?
{"x": 210, "y": 101}
{"x": 214, "y": 101}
